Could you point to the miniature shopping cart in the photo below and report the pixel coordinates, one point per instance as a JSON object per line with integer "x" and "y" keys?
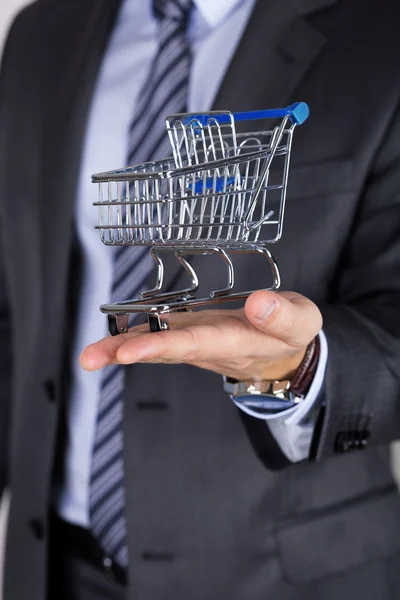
{"x": 222, "y": 192}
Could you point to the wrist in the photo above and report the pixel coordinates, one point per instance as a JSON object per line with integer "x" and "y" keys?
{"x": 283, "y": 368}
{"x": 291, "y": 388}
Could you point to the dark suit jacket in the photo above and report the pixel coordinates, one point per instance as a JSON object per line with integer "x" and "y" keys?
{"x": 212, "y": 515}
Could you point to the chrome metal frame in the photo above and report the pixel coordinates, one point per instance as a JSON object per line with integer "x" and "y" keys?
{"x": 154, "y": 301}
{"x": 211, "y": 197}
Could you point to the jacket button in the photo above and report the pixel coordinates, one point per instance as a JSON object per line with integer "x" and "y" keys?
{"x": 362, "y": 439}
{"x": 37, "y": 528}
{"x": 50, "y": 389}
{"x": 347, "y": 441}
{"x": 342, "y": 442}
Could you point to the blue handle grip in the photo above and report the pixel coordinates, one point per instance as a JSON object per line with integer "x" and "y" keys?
{"x": 298, "y": 113}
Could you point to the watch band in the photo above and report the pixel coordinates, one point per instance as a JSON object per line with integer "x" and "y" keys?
{"x": 302, "y": 379}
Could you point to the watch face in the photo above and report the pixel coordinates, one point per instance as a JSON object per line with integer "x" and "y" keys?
{"x": 274, "y": 389}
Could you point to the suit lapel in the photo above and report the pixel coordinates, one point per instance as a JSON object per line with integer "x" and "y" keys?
{"x": 81, "y": 30}
{"x": 276, "y": 51}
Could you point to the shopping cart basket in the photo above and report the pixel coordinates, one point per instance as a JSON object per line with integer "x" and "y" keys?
{"x": 222, "y": 192}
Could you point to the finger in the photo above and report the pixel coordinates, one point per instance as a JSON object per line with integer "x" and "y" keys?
{"x": 288, "y": 316}
{"x": 102, "y": 353}
{"x": 193, "y": 344}
{"x": 174, "y": 345}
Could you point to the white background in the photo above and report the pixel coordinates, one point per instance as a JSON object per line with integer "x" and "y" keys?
{"x": 8, "y": 8}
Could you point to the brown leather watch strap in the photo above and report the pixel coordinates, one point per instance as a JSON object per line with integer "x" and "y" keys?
{"x": 301, "y": 380}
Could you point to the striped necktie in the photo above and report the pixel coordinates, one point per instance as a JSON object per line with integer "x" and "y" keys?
{"x": 164, "y": 93}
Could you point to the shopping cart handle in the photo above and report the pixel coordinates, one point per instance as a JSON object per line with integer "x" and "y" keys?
{"x": 298, "y": 113}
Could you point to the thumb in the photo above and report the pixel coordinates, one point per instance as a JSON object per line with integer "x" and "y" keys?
{"x": 288, "y": 316}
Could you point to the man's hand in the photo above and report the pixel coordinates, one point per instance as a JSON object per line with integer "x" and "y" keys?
{"x": 265, "y": 340}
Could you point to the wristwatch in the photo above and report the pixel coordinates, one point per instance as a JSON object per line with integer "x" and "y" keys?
{"x": 273, "y": 395}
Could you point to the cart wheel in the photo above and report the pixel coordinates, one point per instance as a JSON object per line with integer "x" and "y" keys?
{"x": 157, "y": 322}
{"x": 112, "y": 325}
{"x": 118, "y": 324}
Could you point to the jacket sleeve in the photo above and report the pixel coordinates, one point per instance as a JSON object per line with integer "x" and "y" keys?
{"x": 5, "y": 384}
{"x": 361, "y": 393}
{"x": 6, "y": 370}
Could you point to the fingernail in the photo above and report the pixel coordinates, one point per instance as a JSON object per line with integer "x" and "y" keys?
{"x": 266, "y": 309}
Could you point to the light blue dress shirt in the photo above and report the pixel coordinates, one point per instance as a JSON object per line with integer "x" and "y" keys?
{"x": 215, "y": 30}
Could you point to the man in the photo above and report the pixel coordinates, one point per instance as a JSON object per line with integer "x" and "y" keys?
{"x": 207, "y": 501}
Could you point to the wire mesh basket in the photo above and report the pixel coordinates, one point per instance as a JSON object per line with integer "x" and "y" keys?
{"x": 222, "y": 191}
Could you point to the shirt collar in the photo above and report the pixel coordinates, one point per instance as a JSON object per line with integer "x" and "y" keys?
{"x": 215, "y": 11}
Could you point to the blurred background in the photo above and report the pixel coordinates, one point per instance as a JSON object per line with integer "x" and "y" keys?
{"x": 8, "y": 9}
